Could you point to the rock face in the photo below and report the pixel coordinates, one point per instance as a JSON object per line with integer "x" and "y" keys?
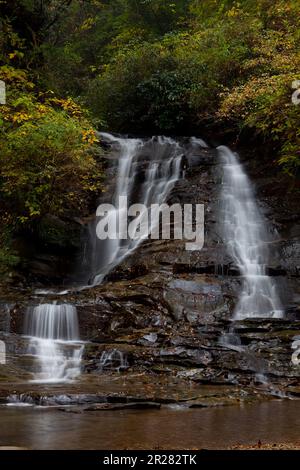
{"x": 164, "y": 313}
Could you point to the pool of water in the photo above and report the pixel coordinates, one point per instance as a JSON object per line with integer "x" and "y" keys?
{"x": 206, "y": 428}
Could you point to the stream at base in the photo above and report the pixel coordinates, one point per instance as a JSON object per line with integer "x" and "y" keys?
{"x": 211, "y": 428}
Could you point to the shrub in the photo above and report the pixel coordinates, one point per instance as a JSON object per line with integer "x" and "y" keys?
{"x": 47, "y": 159}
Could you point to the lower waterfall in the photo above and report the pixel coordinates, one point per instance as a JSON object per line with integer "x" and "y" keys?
{"x": 54, "y": 342}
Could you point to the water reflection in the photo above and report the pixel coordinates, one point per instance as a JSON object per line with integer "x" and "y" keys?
{"x": 277, "y": 421}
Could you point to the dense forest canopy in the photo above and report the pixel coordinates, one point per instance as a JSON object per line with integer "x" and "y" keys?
{"x": 140, "y": 66}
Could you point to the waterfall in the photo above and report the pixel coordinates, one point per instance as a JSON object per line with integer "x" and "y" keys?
{"x": 54, "y": 341}
{"x": 113, "y": 360}
{"x": 245, "y": 233}
{"x": 147, "y": 171}
{"x": 196, "y": 141}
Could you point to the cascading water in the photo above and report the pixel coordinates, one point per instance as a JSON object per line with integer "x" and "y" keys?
{"x": 113, "y": 360}
{"x": 54, "y": 341}
{"x": 147, "y": 171}
{"x": 245, "y": 233}
{"x": 247, "y": 239}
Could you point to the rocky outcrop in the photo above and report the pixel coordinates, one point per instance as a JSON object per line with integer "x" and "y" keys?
{"x": 162, "y": 316}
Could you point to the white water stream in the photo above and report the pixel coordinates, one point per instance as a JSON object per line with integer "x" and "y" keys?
{"x": 247, "y": 239}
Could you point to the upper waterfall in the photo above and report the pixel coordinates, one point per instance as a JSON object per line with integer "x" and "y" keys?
{"x": 147, "y": 170}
